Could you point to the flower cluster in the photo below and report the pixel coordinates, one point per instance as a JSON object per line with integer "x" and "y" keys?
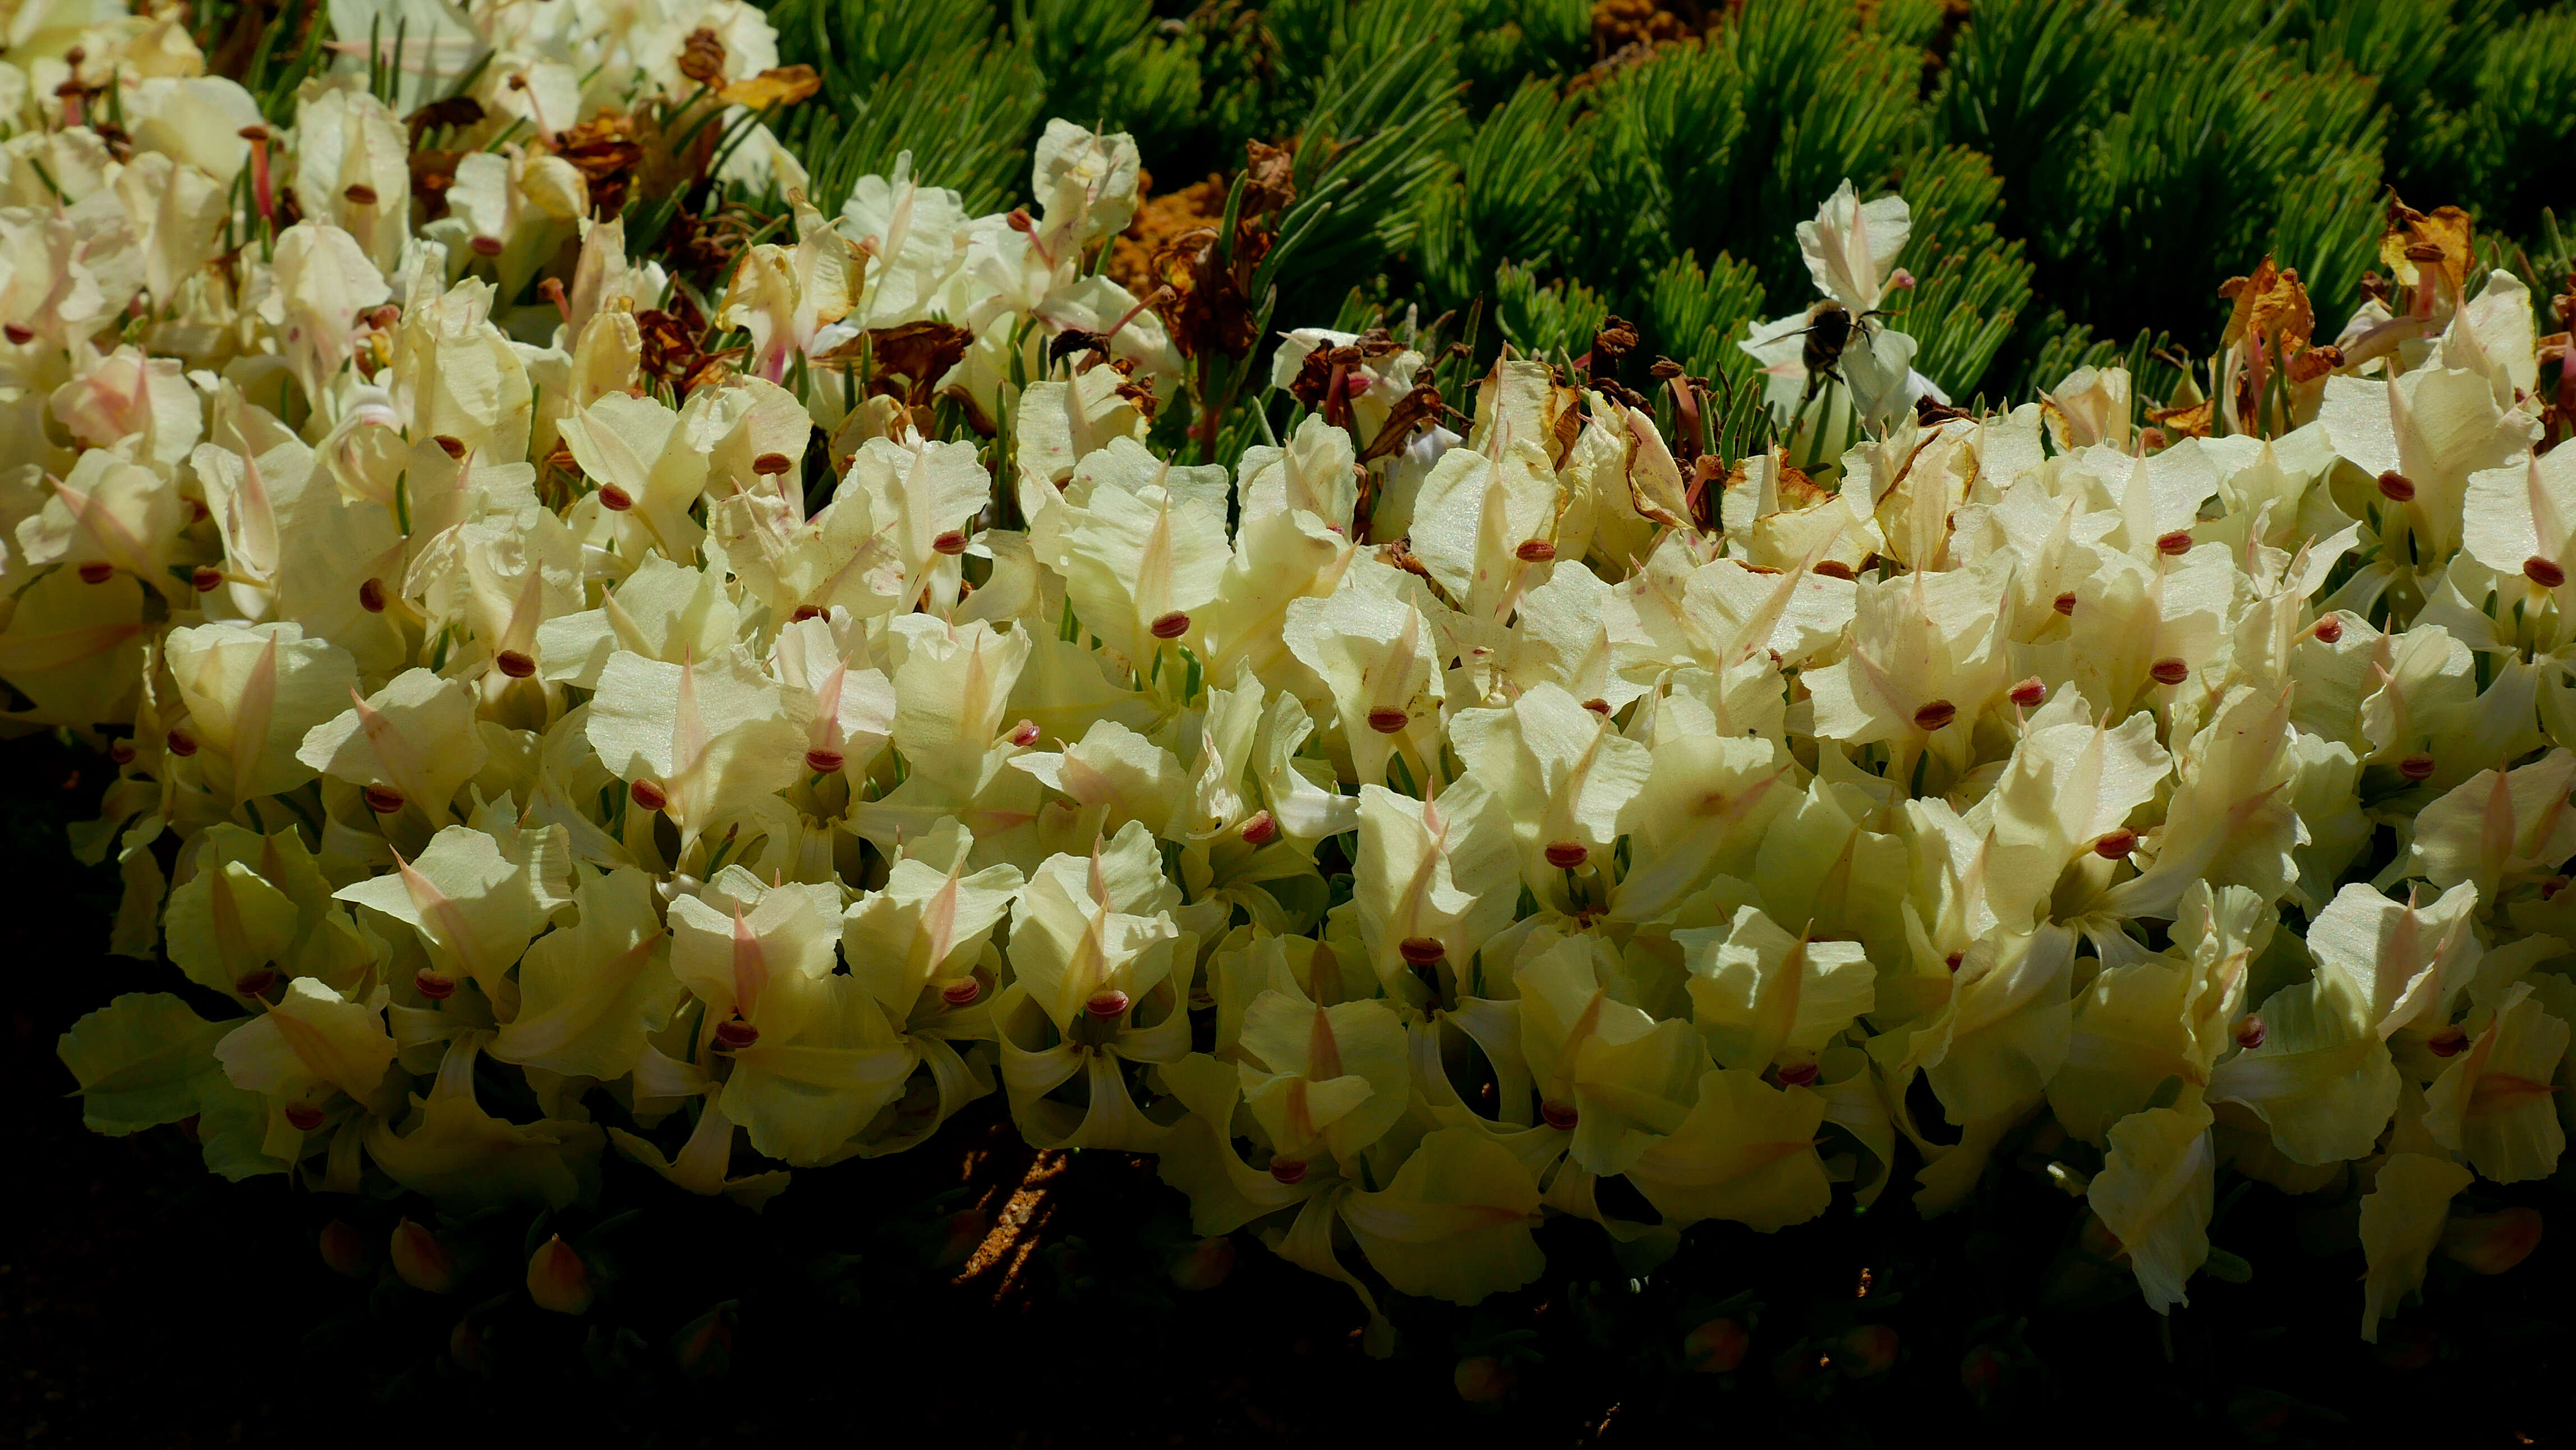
{"x": 549, "y": 732}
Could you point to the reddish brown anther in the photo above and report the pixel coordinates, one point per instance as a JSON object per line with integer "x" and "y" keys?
{"x": 2176, "y": 543}
{"x": 2418, "y": 766}
{"x": 1834, "y": 569}
{"x": 121, "y": 752}
{"x": 1106, "y": 1004}
{"x": 2117, "y": 845}
{"x": 951, "y": 543}
{"x": 255, "y": 982}
{"x": 1024, "y": 733}
{"x": 2448, "y": 1041}
{"x": 303, "y": 1117}
{"x": 206, "y": 578}
{"x": 1534, "y": 551}
{"x": 734, "y": 1034}
{"x": 1260, "y": 830}
{"x": 514, "y": 664}
{"x": 1171, "y": 626}
{"x": 384, "y": 800}
{"x": 1597, "y": 705}
{"x": 1386, "y": 720}
{"x": 822, "y": 760}
{"x": 358, "y": 193}
{"x": 1935, "y": 715}
{"x": 961, "y": 992}
{"x": 648, "y": 795}
{"x": 436, "y": 986}
{"x": 770, "y": 465}
{"x": 1421, "y": 951}
{"x": 2029, "y": 693}
{"x": 485, "y": 246}
{"x": 1559, "y": 1114}
{"x": 2249, "y": 1032}
{"x": 2169, "y": 671}
{"x": 1566, "y": 855}
{"x": 96, "y": 571}
{"x": 614, "y": 499}
{"x": 2065, "y": 604}
{"x": 1288, "y": 1170}
{"x": 2543, "y": 572}
{"x": 2396, "y": 487}
{"x": 371, "y": 596}
{"x": 18, "y": 336}
{"x": 2328, "y": 630}
{"x": 1799, "y": 1074}
{"x": 804, "y": 612}
{"x": 450, "y": 444}
{"x": 181, "y": 743}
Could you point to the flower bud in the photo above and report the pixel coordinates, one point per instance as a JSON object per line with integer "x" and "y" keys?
{"x": 2543, "y": 572}
{"x": 436, "y": 986}
{"x": 2174, "y": 544}
{"x": 1260, "y": 830}
{"x": 558, "y": 1279}
{"x": 1203, "y": 1265}
{"x": 824, "y": 761}
{"x": 303, "y": 1117}
{"x": 1566, "y": 855}
{"x": 514, "y": 664}
{"x": 384, "y": 800}
{"x": 1171, "y": 626}
{"x": 1982, "y": 1370}
{"x": 2117, "y": 845}
{"x": 614, "y": 499}
{"x": 1935, "y": 715}
{"x": 704, "y": 1346}
{"x": 1716, "y": 1346}
{"x": 646, "y": 794}
{"x": 734, "y": 1034}
{"x": 371, "y": 596}
{"x": 2328, "y": 630}
{"x": 421, "y": 1261}
{"x": 1534, "y": 551}
{"x": 1386, "y": 720}
{"x": 1866, "y": 1350}
{"x": 1421, "y": 951}
{"x": 2418, "y": 766}
{"x": 343, "y": 1249}
{"x": 1559, "y": 1114}
{"x": 2396, "y": 487}
{"x": 1106, "y": 1004}
{"x": 2030, "y": 693}
{"x": 2169, "y": 671}
{"x": 1482, "y": 1379}
{"x": 2490, "y": 1243}
{"x": 466, "y": 1346}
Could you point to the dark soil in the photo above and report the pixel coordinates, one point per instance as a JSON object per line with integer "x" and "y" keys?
{"x": 145, "y": 1302}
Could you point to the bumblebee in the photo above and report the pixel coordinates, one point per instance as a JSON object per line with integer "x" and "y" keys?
{"x": 1830, "y": 329}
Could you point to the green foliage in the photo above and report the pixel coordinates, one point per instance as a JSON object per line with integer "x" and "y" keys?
{"x": 2075, "y": 167}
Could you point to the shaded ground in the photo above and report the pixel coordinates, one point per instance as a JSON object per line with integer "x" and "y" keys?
{"x": 982, "y": 1295}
